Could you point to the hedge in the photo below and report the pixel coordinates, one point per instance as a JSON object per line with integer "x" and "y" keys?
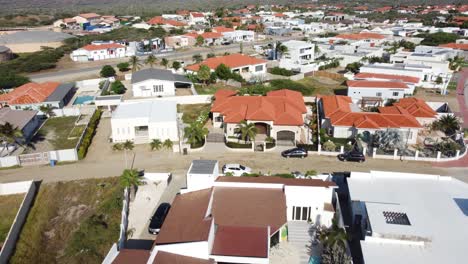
{"x": 308, "y": 147}
{"x": 89, "y": 134}
{"x": 238, "y": 145}
{"x": 281, "y": 71}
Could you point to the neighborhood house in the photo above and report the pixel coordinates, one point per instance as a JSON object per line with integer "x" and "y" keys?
{"x": 157, "y": 82}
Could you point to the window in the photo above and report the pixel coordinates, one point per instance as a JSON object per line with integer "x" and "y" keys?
{"x": 259, "y": 68}
{"x": 396, "y": 93}
{"x": 158, "y": 88}
{"x": 396, "y": 218}
{"x": 378, "y": 94}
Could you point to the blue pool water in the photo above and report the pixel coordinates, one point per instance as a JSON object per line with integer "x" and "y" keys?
{"x": 84, "y": 99}
{"x": 315, "y": 260}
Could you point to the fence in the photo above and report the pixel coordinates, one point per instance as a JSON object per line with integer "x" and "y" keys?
{"x": 30, "y": 189}
{"x": 186, "y": 99}
{"x": 68, "y": 111}
{"x": 124, "y": 219}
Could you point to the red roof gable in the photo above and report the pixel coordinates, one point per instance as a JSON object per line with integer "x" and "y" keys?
{"x": 460, "y": 46}
{"x": 337, "y": 109}
{"x": 232, "y": 61}
{"x": 159, "y": 20}
{"x": 407, "y": 79}
{"x": 195, "y": 14}
{"x": 283, "y": 107}
{"x": 222, "y": 29}
{"x": 360, "y": 36}
{"x": 377, "y": 84}
{"x": 241, "y": 241}
{"x": 416, "y": 107}
{"x": 30, "y": 93}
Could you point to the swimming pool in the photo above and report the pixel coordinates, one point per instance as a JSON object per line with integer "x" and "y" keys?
{"x": 315, "y": 260}
{"x": 83, "y": 99}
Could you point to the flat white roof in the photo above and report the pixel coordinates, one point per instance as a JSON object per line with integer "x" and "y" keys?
{"x": 155, "y": 111}
{"x": 297, "y": 44}
{"x": 434, "y": 204}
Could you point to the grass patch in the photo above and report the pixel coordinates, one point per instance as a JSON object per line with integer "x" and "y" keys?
{"x": 56, "y": 131}
{"x": 322, "y": 85}
{"x": 212, "y": 88}
{"x": 11, "y": 167}
{"x": 452, "y": 86}
{"x": 9, "y": 205}
{"x": 71, "y": 222}
{"x": 76, "y": 132}
{"x": 192, "y": 111}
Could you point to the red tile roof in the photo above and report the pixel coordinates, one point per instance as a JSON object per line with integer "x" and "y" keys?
{"x": 360, "y": 36}
{"x": 283, "y": 107}
{"x": 163, "y": 257}
{"x": 92, "y": 47}
{"x": 337, "y": 109}
{"x": 377, "y": 84}
{"x": 213, "y": 35}
{"x": 278, "y": 180}
{"x": 89, "y": 15}
{"x": 159, "y": 20}
{"x": 241, "y": 241}
{"x": 460, "y": 46}
{"x": 196, "y": 14}
{"x": 30, "y": 93}
{"x": 232, "y": 61}
{"x": 407, "y": 79}
{"x": 134, "y": 256}
{"x": 222, "y": 29}
{"x": 416, "y": 107}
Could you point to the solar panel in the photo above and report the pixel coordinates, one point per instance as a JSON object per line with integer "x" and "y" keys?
{"x": 396, "y": 218}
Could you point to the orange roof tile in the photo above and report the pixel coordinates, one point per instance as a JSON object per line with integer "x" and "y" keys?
{"x": 460, "y": 46}
{"x": 196, "y": 14}
{"x": 233, "y": 61}
{"x": 283, "y": 107}
{"x": 337, "y": 109}
{"x": 89, "y": 15}
{"x": 416, "y": 107}
{"x": 91, "y": 47}
{"x": 222, "y": 29}
{"x": 377, "y": 84}
{"x": 159, "y": 20}
{"x": 361, "y": 36}
{"x": 30, "y": 93}
{"x": 407, "y": 79}
{"x": 207, "y": 35}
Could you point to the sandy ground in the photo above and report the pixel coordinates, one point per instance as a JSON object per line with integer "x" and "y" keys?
{"x": 451, "y": 98}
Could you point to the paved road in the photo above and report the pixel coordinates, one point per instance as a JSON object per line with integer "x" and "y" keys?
{"x": 181, "y": 55}
{"x": 103, "y": 162}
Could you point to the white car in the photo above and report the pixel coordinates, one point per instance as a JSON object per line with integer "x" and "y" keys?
{"x": 236, "y": 169}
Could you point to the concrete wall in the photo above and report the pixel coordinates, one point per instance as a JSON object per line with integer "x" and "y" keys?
{"x": 186, "y": 99}
{"x": 146, "y": 88}
{"x": 9, "y": 161}
{"x": 15, "y": 230}
{"x": 68, "y": 111}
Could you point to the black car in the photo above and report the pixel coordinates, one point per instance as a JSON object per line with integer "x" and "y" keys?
{"x": 158, "y": 218}
{"x": 352, "y": 156}
{"x": 294, "y": 153}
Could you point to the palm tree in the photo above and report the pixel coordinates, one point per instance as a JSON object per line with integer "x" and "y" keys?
{"x": 455, "y": 63}
{"x": 168, "y": 144}
{"x": 134, "y": 63}
{"x": 155, "y": 144}
{"x": 333, "y": 236}
{"x": 130, "y": 179}
{"x": 127, "y": 145}
{"x": 151, "y": 60}
{"x": 164, "y": 62}
{"x": 47, "y": 110}
{"x": 197, "y": 58}
{"x": 449, "y": 124}
{"x": 280, "y": 49}
{"x": 248, "y": 131}
{"x": 9, "y": 135}
{"x": 195, "y": 133}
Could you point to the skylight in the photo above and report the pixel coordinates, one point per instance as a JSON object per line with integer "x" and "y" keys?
{"x": 396, "y": 218}
{"x": 462, "y": 204}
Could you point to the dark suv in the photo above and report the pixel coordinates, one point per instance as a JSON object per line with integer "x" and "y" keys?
{"x": 158, "y": 218}
{"x": 352, "y": 156}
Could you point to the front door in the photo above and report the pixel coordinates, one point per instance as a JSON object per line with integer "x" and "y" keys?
{"x": 300, "y": 213}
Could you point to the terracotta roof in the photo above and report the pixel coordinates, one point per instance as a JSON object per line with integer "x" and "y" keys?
{"x": 460, "y": 46}
{"x": 377, "y": 84}
{"x": 89, "y": 15}
{"x": 283, "y": 107}
{"x": 461, "y": 18}
{"x": 337, "y": 109}
{"x": 416, "y": 107}
{"x": 224, "y": 93}
{"x": 249, "y": 207}
{"x": 134, "y": 256}
{"x": 222, "y": 29}
{"x": 163, "y": 257}
{"x": 280, "y": 15}
{"x": 241, "y": 241}
{"x": 69, "y": 20}
{"x": 278, "y": 180}
{"x": 206, "y": 35}
{"x": 196, "y": 14}
{"x": 186, "y": 220}
{"x": 30, "y": 93}
{"x": 91, "y": 47}
{"x": 232, "y": 61}
{"x": 407, "y": 79}
{"x": 159, "y": 20}
{"x": 360, "y": 36}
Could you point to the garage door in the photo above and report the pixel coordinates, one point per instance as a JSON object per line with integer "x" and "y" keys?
{"x": 285, "y": 138}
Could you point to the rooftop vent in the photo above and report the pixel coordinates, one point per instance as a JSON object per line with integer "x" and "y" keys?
{"x": 396, "y": 218}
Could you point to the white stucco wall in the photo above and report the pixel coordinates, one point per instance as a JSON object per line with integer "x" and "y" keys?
{"x": 356, "y": 93}
{"x": 147, "y": 89}
{"x": 124, "y": 129}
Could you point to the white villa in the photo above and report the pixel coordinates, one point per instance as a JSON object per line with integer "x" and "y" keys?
{"x": 300, "y": 56}
{"x": 156, "y": 82}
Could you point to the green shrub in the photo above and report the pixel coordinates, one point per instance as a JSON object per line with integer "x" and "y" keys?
{"x": 118, "y": 87}
{"x": 89, "y": 134}
{"x": 10, "y": 79}
{"x": 281, "y": 71}
{"x": 329, "y": 146}
{"x": 238, "y": 145}
{"x": 308, "y": 147}
{"x": 123, "y": 66}
{"x": 284, "y": 175}
{"x": 107, "y": 71}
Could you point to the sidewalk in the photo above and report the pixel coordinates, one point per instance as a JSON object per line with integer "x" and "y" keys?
{"x": 462, "y": 96}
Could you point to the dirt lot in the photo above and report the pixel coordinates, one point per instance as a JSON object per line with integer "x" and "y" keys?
{"x": 325, "y": 86}
{"x": 431, "y": 96}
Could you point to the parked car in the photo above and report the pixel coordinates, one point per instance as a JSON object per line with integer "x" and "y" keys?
{"x": 236, "y": 169}
{"x": 158, "y": 218}
{"x": 352, "y": 156}
{"x": 294, "y": 153}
